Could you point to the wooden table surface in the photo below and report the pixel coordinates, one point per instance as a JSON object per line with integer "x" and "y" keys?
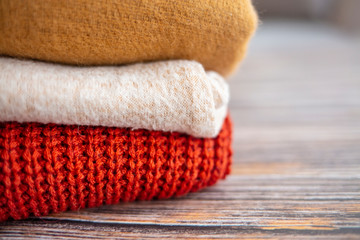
{"x": 296, "y": 172}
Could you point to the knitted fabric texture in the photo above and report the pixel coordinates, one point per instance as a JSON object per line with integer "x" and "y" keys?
{"x": 173, "y": 95}
{"x": 54, "y": 168}
{"x": 98, "y": 32}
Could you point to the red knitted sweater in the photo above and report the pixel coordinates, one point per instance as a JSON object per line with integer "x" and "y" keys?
{"x": 54, "y": 168}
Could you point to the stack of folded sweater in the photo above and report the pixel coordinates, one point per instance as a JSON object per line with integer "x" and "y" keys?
{"x": 79, "y": 128}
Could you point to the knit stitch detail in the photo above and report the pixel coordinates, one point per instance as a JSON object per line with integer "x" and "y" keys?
{"x": 53, "y": 168}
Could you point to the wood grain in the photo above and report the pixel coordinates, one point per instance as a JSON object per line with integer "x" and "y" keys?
{"x": 296, "y": 173}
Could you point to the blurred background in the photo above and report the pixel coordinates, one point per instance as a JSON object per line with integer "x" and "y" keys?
{"x": 295, "y": 100}
{"x": 342, "y": 13}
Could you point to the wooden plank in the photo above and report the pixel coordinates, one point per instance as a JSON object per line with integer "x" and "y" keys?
{"x": 296, "y": 171}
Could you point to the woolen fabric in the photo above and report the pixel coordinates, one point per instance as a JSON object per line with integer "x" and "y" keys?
{"x": 177, "y": 95}
{"x": 97, "y": 32}
{"x": 54, "y": 168}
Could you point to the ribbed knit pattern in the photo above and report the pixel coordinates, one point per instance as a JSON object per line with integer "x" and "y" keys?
{"x": 54, "y": 168}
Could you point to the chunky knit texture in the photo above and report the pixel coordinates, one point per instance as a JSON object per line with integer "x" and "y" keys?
{"x": 176, "y": 96}
{"x": 97, "y": 32}
{"x": 54, "y": 168}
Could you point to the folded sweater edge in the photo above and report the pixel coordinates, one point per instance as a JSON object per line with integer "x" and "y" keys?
{"x": 174, "y": 95}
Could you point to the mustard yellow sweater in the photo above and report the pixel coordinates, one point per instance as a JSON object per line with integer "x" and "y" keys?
{"x": 105, "y": 32}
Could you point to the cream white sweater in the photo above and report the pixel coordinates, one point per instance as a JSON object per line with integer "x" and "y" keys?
{"x": 175, "y": 95}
